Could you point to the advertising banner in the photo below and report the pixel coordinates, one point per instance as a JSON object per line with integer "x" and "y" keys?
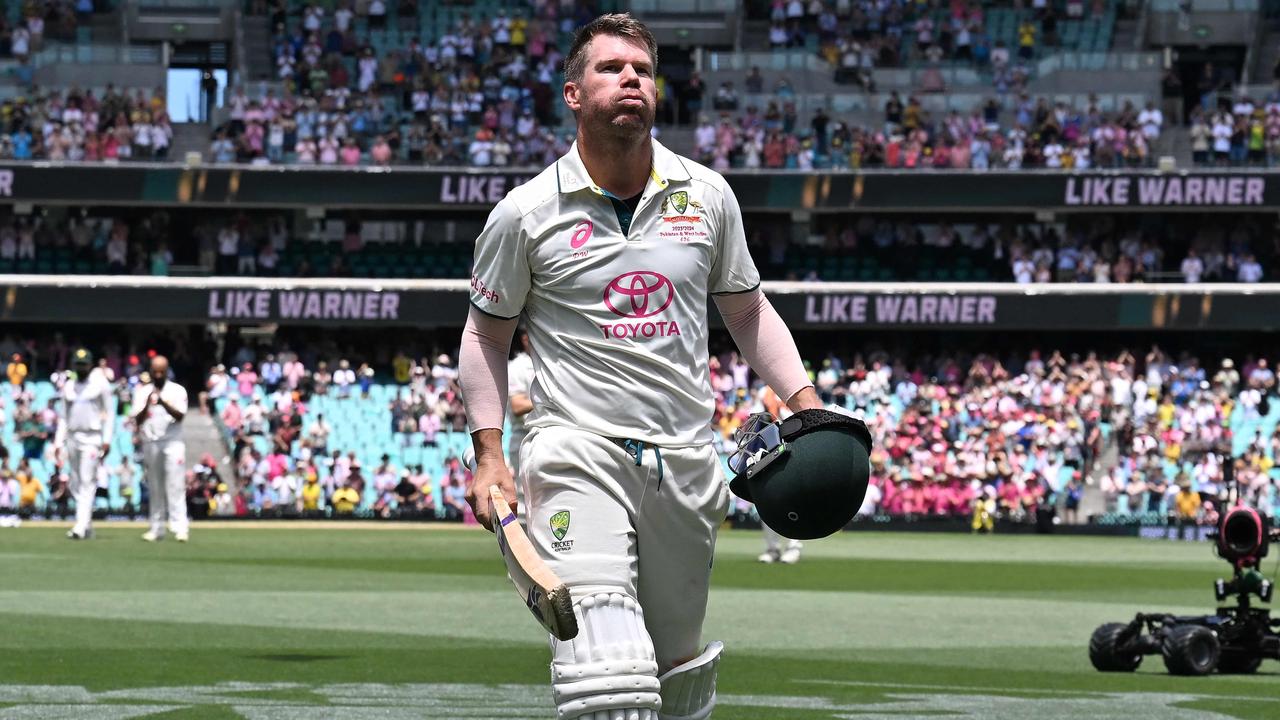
{"x": 431, "y": 189}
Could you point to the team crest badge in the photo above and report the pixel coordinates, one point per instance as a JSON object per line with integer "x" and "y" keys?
{"x": 560, "y": 524}
{"x": 680, "y": 201}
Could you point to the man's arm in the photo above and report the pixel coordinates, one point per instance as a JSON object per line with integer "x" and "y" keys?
{"x": 108, "y": 420}
{"x": 178, "y": 411}
{"x": 482, "y": 364}
{"x": 766, "y": 343}
{"x": 761, "y": 335}
{"x": 521, "y": 405}
{"x": 142, "y": 408}
{"x": 60, "y": 422}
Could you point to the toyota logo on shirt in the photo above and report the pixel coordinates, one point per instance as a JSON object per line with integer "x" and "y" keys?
{"x": 639, "y": 294}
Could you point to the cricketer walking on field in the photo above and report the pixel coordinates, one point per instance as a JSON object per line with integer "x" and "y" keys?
{"x": 83, "y": 435}
{"x": 158, "y": 410}
{"x": 609, "y": 255}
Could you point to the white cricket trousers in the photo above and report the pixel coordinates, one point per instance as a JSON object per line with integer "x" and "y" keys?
{"x": 648, "y": 528}
{"x": 772, "y": 540}
{"x": 84, "y": 454}
{"x": 164, "y": 463}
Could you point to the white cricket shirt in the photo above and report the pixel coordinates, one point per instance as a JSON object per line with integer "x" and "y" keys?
{"x": 86, "y": 406}
{"x": 618, "y": 322}
{"x": 158, "y": 425}
{"x": 519, "y": 382}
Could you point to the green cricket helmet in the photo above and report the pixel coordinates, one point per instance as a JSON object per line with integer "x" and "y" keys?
{"x": 807, "y": 474}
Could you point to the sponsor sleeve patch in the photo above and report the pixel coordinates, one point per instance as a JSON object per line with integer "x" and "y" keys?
{"x": 501, "y": 277}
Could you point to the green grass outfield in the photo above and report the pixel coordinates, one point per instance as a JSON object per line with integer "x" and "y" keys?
{"x": 293, "y": 622}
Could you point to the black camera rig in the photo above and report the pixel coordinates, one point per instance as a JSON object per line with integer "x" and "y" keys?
{"x": 1234, "y": 640}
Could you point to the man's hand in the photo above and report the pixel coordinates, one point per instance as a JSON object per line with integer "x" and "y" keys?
{"x": 490, "y": 470}
{"x": 486, "y": 476}
{"x": 106, "y": 449}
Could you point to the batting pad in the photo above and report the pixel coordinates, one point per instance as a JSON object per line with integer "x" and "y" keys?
{"x": 608, "y": 671}
{"x": 689, "y": 689}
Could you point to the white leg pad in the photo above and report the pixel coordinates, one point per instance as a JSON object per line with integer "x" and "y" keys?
{"x": 608, "y": 672}
{"x": 689, "y": 689}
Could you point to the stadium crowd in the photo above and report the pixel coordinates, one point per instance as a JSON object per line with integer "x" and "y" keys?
{"x": 39, "y": 20}
{"x": 1096, "y": 248}
{"x": 1245, "y": 135}
{"x": 1086, "y": 248}
{"x": 482, "y": 94}
{"x": 1023, "y": 133}
{"x": 76, "y": 125}
{"x": 298, "y": 469}
{"x": 953, "y": 433}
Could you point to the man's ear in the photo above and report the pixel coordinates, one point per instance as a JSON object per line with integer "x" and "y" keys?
{"x": 571, "y": 96}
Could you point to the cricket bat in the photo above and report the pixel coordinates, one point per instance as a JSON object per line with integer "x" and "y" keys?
{"x": 544, "y": 593}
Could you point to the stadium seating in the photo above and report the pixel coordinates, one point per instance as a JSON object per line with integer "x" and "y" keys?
{"x": 42, "y": 393}
{"x": 362, "y": 426}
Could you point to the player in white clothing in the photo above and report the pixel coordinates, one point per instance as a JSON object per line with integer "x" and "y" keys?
{"x": 519, "y": 382}
{"x": 83, "y": 435}
{"x": 158, "y": 408}
{"x": 773, "y": 551}
{"x": 609, "y": 255}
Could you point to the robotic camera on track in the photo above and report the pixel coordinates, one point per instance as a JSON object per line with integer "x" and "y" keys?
{"x": 1235, "y": 640}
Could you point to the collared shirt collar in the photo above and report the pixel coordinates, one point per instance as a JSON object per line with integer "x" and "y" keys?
{"x": 572, "y": 175}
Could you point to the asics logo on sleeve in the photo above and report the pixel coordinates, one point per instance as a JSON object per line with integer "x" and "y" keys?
{"x": 581, "y": 234}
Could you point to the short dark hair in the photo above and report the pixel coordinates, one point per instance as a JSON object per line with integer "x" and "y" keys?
{"x": 617, "y": 24}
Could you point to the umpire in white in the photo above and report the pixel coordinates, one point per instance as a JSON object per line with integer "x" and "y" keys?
{"x": 158, "y": 408}
{"x": 83, "y": 435}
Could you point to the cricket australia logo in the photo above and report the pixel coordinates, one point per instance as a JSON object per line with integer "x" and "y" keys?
{"x": 685, "y": 222}
{"x": 560, "y": 528}
{"x": 679, "y": 201}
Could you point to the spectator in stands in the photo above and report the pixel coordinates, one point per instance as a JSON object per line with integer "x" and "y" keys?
{"x": 726, "y": 98}
{"x": 29, "y": 488}
{"x": 9, "y": 497}
{"x": 1192, "y": 267}
{"x": 455, "y": 503}
{"x": 1250, "y": 271}
{"x": 16, "y": 371}
{"x": 20, "y": 43}
{"x": 344, "y": 501}
{"x": 223, "y": 149}
{"x": 344, "y": 378}
{"x": 321, "y": 378}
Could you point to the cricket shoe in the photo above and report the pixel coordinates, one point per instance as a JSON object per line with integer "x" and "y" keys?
{"x": 181, "y": 537}
{"x": 768, "y": 557}
{"x": 791, "y": 556}
{"x": 151, "y": 536}
{"x": 80, "y": 534}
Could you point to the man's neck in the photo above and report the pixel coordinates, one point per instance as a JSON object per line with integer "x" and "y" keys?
{"x": 621, "y": 168}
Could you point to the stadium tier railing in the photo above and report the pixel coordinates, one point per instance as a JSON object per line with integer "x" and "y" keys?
{"x": 690, "y": 7}
{"x": 1205, "y": 5}
{"x": 963, "y": 102}
{"x": 56, "y": 53}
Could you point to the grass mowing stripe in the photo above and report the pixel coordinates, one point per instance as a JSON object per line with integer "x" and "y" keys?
{"x": 997, "y": 690}
{"x": 939, "y": 613}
